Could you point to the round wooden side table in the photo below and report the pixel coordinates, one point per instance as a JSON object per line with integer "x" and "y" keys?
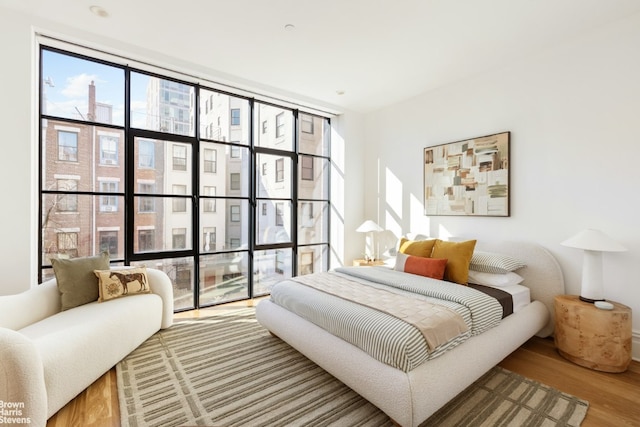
{"x": 591, "y": 337}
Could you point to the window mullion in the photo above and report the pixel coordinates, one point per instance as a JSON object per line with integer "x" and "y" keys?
{"x": 131, "y": 163}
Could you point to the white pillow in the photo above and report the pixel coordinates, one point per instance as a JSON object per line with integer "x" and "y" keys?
{"x": 490, "y": 262}
{"x": 493, "y": 279}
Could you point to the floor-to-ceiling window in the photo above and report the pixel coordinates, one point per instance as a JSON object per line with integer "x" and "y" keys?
{"x": 225, "y": 193}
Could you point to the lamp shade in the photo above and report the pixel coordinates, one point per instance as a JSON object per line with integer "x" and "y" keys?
{"x": 368, "y": 226}
{"x": 593, "y": 240}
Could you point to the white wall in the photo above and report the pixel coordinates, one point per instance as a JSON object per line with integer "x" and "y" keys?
{"x": 19, "y": 174}
{"x": 574, "y": 116}
{"x": 19, "y": 211}
{"x": 347, "y": 197}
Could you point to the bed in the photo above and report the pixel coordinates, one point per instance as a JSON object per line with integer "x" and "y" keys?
{"x": 409, "y": 397}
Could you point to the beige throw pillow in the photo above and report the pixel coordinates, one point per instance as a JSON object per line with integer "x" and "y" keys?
{"x": 121, "y": 283}
{"x": 76, "y": 282}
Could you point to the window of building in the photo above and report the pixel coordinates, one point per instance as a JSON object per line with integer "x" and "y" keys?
{"x": 179, "y": 157}
{"x": 235, "y": 117}
{"x": 145, "y": 203}
{"x": 209, "y": 239}
{"x": 210, "y": 160}
{"x": 108, "y": 203}
{"x": 209, "y": 205}
{"x": 108, "y": 150}
{"x": 179, "y": 238}
{"x": 306, "y": 263}
{"x": 280, "y": 131}
{"x": 147, "y": 154}
{"x": 307, "y": 214}
{"x": 264, "y": 168}
{"x": 179, "y": 203}
{"x": 235, "y": 213}
{"x": 264, "y": 208}
{"x": 235, "y": 152}
{"x": 146, "y": 240}
{"x": 234, "y": 181}
{"x": 265, "y": 126}
{"x": 109, "y": 242}
{"x": 67, "y": 202}
{"x": 183, "y": 276}
{"x": 306, "y": 168}
{"x": 67, "y": 146}
{"x": 68, "y": 244}
{"x": 306, "y": 123}
{"x": 281, "y": 257}
{"x": 279, "y": 170}
{"x": 280, "y": 214}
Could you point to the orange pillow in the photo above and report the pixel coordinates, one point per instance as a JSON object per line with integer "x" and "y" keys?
{"x": 420, "y": 248}
{"x": 428, "y": 267}
{"x": 458, "y": 255}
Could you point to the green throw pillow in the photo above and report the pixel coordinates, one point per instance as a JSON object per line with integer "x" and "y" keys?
{"x": 77, "y": 283}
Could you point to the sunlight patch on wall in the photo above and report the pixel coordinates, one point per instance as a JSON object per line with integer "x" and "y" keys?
{"x": 393, "y": 203}
{"x": 418, "y": 222}
{"x": 443, "y": 233}
{"x": 336, "y": 239}
{"x": 393, "y": 194}
{"x": 392, "y": 224}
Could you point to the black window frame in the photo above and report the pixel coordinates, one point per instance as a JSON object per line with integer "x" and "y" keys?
{"x": 141, "y": 244}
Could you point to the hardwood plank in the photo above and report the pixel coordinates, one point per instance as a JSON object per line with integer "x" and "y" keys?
{"x": 97, "y": 406}
{"x": 613, "y": 397}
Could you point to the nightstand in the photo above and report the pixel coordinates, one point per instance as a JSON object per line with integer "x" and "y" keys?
{"x": 363, "y": 262}
{"x": 591, "y": 337}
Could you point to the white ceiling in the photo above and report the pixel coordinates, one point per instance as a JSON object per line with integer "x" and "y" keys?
{"x": 377, "y": 52}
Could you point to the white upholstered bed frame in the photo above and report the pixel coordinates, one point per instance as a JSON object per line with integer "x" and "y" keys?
{"x": 409, "y": 398}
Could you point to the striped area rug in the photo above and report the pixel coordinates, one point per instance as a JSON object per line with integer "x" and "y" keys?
{"x": 227, "y": 370}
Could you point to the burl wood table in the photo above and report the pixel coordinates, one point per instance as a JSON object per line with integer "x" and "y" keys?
{"x": 591, "y": 337}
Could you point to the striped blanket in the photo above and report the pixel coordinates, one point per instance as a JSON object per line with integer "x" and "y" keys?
{"x": 385, "y": 337}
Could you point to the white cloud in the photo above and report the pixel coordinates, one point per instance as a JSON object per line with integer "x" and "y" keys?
{"x": 139, "y": 114}
{"x": 78, "y": 86}
{"x": 73, "y": 108}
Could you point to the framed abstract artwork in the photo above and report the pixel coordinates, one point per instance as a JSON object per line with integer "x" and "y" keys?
{"x": 468, "y": 178}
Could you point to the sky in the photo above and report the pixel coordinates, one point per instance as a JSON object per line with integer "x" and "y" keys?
{"x": 66, "y": 87}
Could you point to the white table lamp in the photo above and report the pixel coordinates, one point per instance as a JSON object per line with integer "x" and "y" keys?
{"x": 369, "y": 227}
{"x": 593, "y": 242}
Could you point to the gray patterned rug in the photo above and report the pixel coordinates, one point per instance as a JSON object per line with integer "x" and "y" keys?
{"x": 227, "y": 370}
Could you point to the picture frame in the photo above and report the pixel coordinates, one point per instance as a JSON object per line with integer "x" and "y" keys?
{"x": 469, "y": 177}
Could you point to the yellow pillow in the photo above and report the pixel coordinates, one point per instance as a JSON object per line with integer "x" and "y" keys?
{"x": 421, "y": 248}
{"x": 120, "y": 283}
{"x": 458, "y": 255}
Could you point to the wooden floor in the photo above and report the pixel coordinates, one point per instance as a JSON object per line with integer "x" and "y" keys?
{"x": 614, "y": 399}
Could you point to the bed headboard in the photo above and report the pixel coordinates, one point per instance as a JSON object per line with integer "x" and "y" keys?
{"x": 542, "y": 275}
